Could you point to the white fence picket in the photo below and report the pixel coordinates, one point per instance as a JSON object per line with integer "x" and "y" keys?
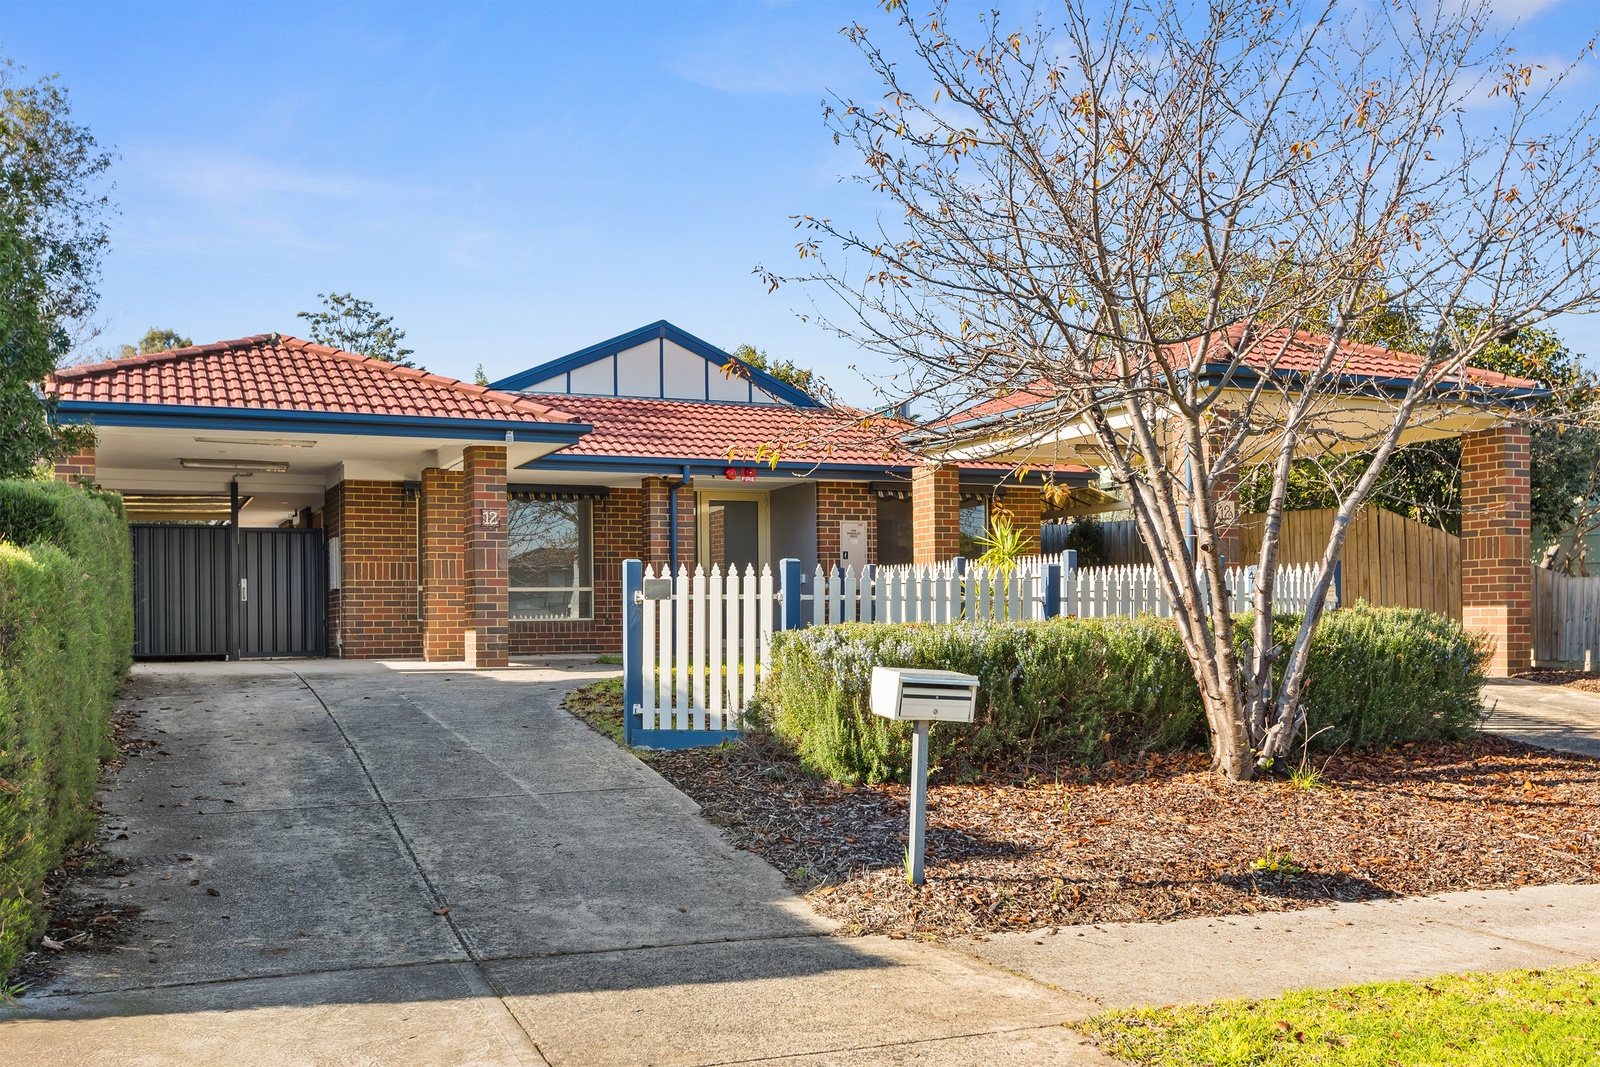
{"x": 707, "y": 645}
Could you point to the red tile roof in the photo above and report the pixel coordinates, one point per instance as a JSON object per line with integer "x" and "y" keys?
{"x": 1303, "y": 353}
{"x": 629, "y": 427}
{"x": 1305, "y": 350}
{"x": 285, "y": 373}
{"x": 626, "y": 427}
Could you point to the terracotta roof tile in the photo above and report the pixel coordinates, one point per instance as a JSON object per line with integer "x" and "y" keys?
{"x": 291, "y": 374}
{"x": 1303, "y": 353}
{"x": 642, "y": 427}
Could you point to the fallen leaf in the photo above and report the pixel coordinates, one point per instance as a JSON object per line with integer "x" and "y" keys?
{"x": 441, "y": 911}
{"x": 212, "y": 892}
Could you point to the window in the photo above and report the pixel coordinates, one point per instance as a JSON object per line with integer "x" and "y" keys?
{"x": 894, "y": 529}
{"x": 974, "y": 525}
{"x": 551, "y": 559}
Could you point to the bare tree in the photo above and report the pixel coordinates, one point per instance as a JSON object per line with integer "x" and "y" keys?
{"x": 1172, "y": 225}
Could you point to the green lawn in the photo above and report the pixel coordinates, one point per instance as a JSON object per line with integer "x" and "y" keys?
{"x": 1542, "y": 1018}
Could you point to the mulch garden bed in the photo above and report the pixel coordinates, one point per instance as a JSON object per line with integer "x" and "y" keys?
{"x": 1588, "y": 681}
{"x": 1155, "y": 838}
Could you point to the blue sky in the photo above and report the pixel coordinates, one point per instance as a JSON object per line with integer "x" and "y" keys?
{"x": 510, "y": 182}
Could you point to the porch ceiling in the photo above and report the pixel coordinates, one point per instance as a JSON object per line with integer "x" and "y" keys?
{"x": 147, "y": 460}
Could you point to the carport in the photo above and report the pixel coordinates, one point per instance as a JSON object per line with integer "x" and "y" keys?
{"x": 275, "y": 490}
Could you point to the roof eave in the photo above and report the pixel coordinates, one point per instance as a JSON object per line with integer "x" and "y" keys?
{"x": 114, "y": 413}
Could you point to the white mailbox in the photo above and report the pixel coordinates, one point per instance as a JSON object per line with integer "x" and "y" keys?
{"x": 933, "y": 696}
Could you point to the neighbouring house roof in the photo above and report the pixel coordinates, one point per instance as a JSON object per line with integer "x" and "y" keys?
{"x": 1358, "y": 364}
{"x": 674, "y": 432}
{"x": 270, "y": 372}
{"x": 658, "y": 361}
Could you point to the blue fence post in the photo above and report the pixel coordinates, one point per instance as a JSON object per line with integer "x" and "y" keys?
{"x": 1338, "y": 582}
{"x": 1069, "y": 561}
{"x": 632, "y": 645}
{"x": 1052, "y": 590}
{"x": 1250, "y": 587}
{"x": 789, "y": 594}
{"x": 869, "y": 590}
{"x": 959, "y": 566}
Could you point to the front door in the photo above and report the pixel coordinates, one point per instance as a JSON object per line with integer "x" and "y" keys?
{"x": 731, "y": 530}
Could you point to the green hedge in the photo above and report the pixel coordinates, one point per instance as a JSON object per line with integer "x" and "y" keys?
{"x": 1088, "y": 689}
{"x": 66, "y": 633}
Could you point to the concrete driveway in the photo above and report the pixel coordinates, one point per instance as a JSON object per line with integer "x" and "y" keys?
{"x": 304, "y": 824}
{"x": 1552, "y": 716}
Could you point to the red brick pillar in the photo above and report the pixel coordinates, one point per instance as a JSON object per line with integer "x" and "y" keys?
{"x": 484, "y": 483}
{"x": 1024, "y": 504}
{"x": 444, "y": 565}
{"x": 76, "y": 467}
{"x": 658, "y": 523}
{"x": 1496, "y": 571}
{"x": 935, "y": 513}
{"x": 1225, "y": 513}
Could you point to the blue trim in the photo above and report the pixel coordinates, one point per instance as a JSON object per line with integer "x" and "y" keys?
{"x": 664, "y": 331}
{"x": 106, "y": 413}
{"x": 632, "y": 644}
{"x": 789, "y": 579}
{"x": 850, "y": 472}
{"x": 670, "y": 739}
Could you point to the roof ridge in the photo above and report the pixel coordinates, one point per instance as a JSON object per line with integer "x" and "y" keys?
{"x": 278, "y": 343}
{"x": 165, "y": 355}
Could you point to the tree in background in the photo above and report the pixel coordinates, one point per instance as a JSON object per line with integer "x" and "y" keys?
{"x": 355, "y": 326}
{"x": 52, "y": 233}
{"x": 787, "y": 372}
{"x": 154, "y": 341}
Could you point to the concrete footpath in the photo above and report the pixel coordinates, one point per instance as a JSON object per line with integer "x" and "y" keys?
{"x": 1549, "y": 715}
{"x": 336, "y": 808}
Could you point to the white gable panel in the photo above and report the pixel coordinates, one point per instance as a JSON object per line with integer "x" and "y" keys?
{"x": 761, "y": 396}
{"x": 558, "y": 384}
{"x": 724, "y": 388}
{"x": 683, "y": 373}
{"x": 639, "y": 370}
{"x": 597, "y": 377}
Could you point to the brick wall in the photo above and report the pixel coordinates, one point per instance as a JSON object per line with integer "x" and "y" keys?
{"x": 1496, "y": 573}
{"x": 1025, "y": 506}
{"x": 375, "y": 612}
{"x": 619, "y": 533}
{"x": 483, "y": 469}
{"x": 845, "y": 502}
{"x": 444, "y": 564}
{"x": 78, "y": 465}
{"x": 935, "y": 513}
{"x": 658, "y": 542}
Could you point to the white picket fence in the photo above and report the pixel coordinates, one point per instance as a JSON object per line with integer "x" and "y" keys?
{"x": 706, "y": 645}
{"x": 704, "y": 648}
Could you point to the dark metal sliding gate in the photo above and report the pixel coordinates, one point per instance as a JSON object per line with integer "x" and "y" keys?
{"x": 184, "y": 588}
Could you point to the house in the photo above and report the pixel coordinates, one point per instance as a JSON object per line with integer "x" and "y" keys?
{"x": 1479, "y": 406}
{"x": 292, "y": 499}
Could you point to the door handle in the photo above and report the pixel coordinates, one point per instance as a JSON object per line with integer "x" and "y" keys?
{"x": 244, "y": 589}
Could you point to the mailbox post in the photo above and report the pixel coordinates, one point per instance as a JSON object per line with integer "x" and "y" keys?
{"x": 922, "y": 697}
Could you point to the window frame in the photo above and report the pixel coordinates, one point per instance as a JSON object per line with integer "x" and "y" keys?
{"x": 576, "y": 591}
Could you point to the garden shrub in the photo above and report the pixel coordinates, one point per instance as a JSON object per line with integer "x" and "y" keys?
{"x": 1088, "y": 689}
{"x": 66, "y": 635}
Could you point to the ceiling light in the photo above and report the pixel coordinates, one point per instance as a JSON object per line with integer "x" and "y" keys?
{"x": 275, "y": 442}
{"x": 265, "y": 465}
